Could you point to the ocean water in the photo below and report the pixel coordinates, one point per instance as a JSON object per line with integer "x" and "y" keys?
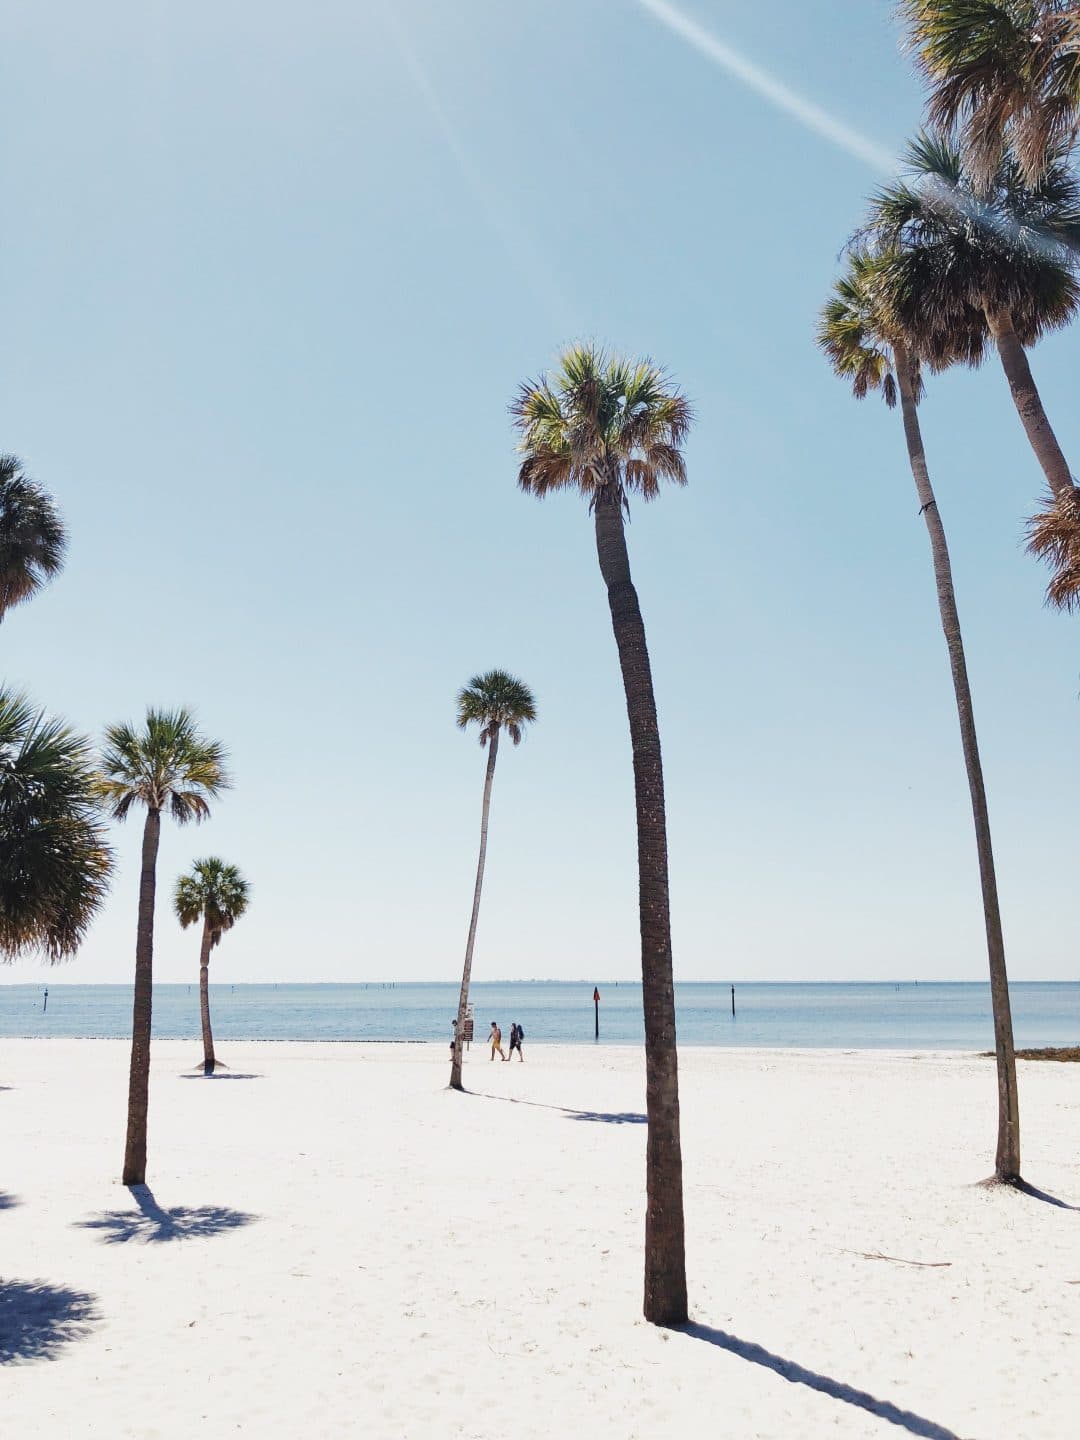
{"x": 904, "y": 1016}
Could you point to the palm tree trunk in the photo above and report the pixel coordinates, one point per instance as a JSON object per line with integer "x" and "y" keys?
{"x": 1007, "y": 1159}
{"x": 139, "y": 1074}
{"x": 665, "y": 1255}
{"x": 1028, "y": 402}
{"x": 463, "y": 998}
{"x": 204, "y": 999}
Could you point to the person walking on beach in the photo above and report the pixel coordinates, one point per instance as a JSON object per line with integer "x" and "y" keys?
{"x": 496, "y": 1040}
{"x": 517, "y": 1034}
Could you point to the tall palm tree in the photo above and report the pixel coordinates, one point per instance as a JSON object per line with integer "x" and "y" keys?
{"x": 32, "y": 536}
{"x": 164, "y": 765}
{"x": 216, "y": 894}
{"x": 1001, "y": 72}
{"x": 55, "y": 862}
{"x": 611, "y": 428}
{"x": 496, "y": 702}
{"x": 866, "y": 348}
{"x": 1010, "y": 253}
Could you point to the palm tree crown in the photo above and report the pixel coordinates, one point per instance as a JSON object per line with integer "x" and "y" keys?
{"x": 603, "y": 426}
{"x": 496, "y": 701}
{"x": 859, "y": 332}
{"x": 33, "y": 541}
{"x": 54, "y": 860}
{"x": 961, "y": 248}
{"x": 214, "y": 892}
{"x": 851, "y": 332}
{"x": 1001, "y": 72}
{"x": 166, "y": 765}
{"x": 1009, "y": 253}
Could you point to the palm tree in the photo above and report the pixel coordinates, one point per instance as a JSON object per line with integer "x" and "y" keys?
{"x": 216, "y": 894}
{"x": 164, "y": 765}
{"x": 1009, "y": 253}
{"x": 55, "y": 863}
{"x": 611, "y": 428}
{"x": 1001, "y": 72}
{"x": 32, "y": 537}
{"x": 496, "y": 702}
{"x": 865, "y": 347}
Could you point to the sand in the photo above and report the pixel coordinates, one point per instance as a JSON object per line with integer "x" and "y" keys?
{"x": 334, "y": 1245}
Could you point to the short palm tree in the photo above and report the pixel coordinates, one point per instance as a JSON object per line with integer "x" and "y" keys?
{"x": 55, "y": 862}
{"x": 865, "y": 348}
{"x": 1002, "y": 73}
{"x": 1010, "y": 253}
{"x": 609, "y": 429}
{"x": 164, "y": 765}
{"x": 497, "y": 703}
{"x": 32, "y": 537}
{"x": 216, "y": 894}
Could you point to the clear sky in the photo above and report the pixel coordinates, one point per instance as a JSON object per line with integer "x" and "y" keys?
{"x": 272, "y": 273}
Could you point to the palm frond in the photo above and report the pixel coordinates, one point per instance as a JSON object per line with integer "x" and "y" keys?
{"x": 1053, "y": 536}
{"x": 55, "y": 863}
{"x": 1001, "y": 72}
{"x": 33, "y": 541}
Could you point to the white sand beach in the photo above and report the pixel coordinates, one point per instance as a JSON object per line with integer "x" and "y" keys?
{"x": 333, "y": 1244}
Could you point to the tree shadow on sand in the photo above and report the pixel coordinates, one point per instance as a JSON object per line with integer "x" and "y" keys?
{"x": 608, "y": 1117}
{"x": 1044, "y": 1195}
{"x": 797, "y": 1374}
{"x": 602, "y": 1117}
{"x": 38, "y": 1320}
{"x": 219, "y": 1075}
{"x": 152, "y": 1224}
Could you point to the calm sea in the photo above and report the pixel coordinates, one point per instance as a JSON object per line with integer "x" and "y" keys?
{"x": 884, "y": 1016}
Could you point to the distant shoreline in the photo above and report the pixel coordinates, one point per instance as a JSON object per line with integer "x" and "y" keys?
{"x": 45, "y": 981}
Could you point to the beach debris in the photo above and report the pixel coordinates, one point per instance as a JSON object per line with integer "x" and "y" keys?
{"x": 896, "y": 1260}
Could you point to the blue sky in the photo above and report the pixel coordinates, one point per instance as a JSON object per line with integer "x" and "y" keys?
{"x": 272, "y": 275}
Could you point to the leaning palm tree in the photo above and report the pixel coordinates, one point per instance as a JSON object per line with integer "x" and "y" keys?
{"x": 55, "y": 862}
{"x": 164, "y": 765}
{"x": 1010, "y": 253}
{"x": 496, "y": 702}
{"x": 611, "y": 428}
{"x": 32, "y": 537}
{"x": 216, "y": 894}
{"x": 866, "y": 348}
{"x": 1001, "y": 73}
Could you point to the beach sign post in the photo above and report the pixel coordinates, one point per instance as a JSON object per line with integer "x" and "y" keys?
{"x": 596, "y": 1006}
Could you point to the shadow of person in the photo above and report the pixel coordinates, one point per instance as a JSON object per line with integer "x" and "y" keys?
{"x": 152, "y": 1224}
{"x": 37, "y": 1320}
{"x": 797, "y": 1374}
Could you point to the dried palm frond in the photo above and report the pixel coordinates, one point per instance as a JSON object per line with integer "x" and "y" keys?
{"x": 1053, "y": 535}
